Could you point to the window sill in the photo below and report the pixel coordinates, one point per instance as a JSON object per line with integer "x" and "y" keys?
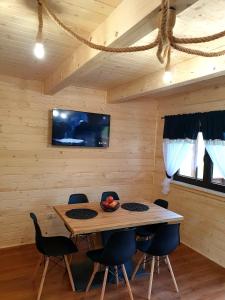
{"x": 200, "y": 190}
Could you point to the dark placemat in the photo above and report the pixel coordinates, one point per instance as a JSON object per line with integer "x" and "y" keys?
{"x": 81, "y": 213}
{"x": 134, "y": 206}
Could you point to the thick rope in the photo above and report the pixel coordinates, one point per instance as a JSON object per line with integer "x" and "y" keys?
{"x": 197, "y": 52}
{"x": 40, "y": 23}
{"x": 165, "y": 39}
{"x": 93, "y": 45}
{"x": 162, "y": 36}
{"x": 197, "y": 40}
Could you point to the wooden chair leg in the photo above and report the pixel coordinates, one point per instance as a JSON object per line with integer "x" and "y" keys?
{"x": 137, "y": 267}
{"x": 144, "y": 261}
{"x": 43, "y": 278}
{"x": 70, "y": 259}
{"x": 104, "y": 283}
{"x": 69, "y": 272}
{"x": 158, "y": 264}
{"x": 151, "y": 278}
{"x": 127, "y": 282}
{"x": 172, "y": 274}
{"x": 95, "y": 270}
{"x": 117, "y": 277}
{"x": 39, "y": 263}
{"x": 90, "y": 242}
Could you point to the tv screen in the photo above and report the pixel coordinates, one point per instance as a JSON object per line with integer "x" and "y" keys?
{"x": 81, "y": 129}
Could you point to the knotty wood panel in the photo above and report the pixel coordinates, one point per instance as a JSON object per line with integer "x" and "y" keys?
{"x": 203, "y": 228}
{"x": 35, "y": 175}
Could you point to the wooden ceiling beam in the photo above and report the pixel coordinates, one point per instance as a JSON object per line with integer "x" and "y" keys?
{"x": 130, "y": 21}
{"x": 194, "y": 70}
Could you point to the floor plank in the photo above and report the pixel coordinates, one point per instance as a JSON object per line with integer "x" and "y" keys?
{"x": 198, "y": 278}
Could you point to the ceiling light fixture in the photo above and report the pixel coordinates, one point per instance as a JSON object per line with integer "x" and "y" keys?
{"x": 165, "y": 39}
{"x": 167, "y": 77}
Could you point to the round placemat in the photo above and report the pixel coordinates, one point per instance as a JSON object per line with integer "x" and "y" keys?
{"x": 81, "y": 213}
{"x": 133, "y": 206}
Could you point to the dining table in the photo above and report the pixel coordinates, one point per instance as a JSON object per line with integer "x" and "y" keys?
{"x": 107, "y": 221}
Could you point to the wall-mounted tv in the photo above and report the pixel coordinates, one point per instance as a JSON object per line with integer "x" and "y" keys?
{"x": 81, "y": 129}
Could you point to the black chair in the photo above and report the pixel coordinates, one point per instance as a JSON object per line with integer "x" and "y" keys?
{"x": 165, "y": 241}
{"x": 148, "y": 230}
{"x": 109, "y": 193}
{"x": 78, "y": 198}
{"x": 162, "y": 203}
{"x": 119, "y": 249}
{"x": 49, "y": 247}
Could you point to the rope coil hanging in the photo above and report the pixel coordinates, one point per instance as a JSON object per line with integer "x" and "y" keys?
{"x": 164, "y": 41}
{"x": 39, "y": 36}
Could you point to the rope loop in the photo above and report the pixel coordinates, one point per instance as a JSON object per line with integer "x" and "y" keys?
{"x": 164, "y": 41}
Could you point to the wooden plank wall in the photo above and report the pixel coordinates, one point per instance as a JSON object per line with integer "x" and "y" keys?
{"x": 203, "y": 228}
{"x": 35, "y": 175}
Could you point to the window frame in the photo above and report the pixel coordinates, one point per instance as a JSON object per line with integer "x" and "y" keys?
{"x": 207, "y": 177}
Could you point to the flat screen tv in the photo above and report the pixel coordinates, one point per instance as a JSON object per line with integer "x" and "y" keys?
{"x": 81, "y": 129}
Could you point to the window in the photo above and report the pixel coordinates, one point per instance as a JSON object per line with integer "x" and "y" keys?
{"x": 198, "y": 168}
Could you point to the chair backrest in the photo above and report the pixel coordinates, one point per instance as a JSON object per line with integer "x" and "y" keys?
{"x": 38, "y": 235}
{"x": 77, "y": 198}
{"x": 120, "y": 247}
{"x": 162, "y": 203}
{"x": 165, "y": 240}
{"x": 109, "y": 193}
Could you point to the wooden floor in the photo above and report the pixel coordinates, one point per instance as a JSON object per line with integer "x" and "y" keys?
{"x": 197, "y": 277}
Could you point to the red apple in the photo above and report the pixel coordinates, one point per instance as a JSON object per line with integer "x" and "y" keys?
{"x": 109, "y": 199}
{"x": 113, "y": 204}
{"x": 105, "y": 203}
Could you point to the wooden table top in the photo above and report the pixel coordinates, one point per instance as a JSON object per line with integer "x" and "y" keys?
{"x": 120, "y": 218}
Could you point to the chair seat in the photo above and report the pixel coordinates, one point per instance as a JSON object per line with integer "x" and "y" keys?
{"x": 58, "y": 246}
{"x": 95, "y": 255}
{"x": 143, "y": 231}
{"x": 148, "y": 230}
{"x": 143, "y": 246}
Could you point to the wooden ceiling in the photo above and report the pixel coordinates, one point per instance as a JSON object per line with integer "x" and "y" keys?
{"x": 205, "y": 17}
{"x": 18, "y": 25}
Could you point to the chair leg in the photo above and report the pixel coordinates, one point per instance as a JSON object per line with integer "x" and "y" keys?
{"x": 70, "y": 259}
{"x": 151, "y": 278}
{"x": 69, "y": 272}
{"x": 90, "y": 242}
{"x": 144, "y": 261}
{"x": 127, "y": 282}
{"x": 104, "y": 283}
{"x": 158, "y": 264}
{"x": 95, "y": 270}
{"x": 172, "y": 274}
{"x": 117, "y": 277}
{"x": 43, "y": 278}
{"x": 137, "y": 266}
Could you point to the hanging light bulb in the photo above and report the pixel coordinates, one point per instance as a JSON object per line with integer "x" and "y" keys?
{"x": 167, "y": 77}
{"x": 39, "y": 50}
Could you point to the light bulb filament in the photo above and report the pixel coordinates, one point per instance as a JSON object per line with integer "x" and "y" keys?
{"x": 39, "y": 50}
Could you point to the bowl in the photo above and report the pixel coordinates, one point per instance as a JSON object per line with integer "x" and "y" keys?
{"x": 109, "y": 209}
